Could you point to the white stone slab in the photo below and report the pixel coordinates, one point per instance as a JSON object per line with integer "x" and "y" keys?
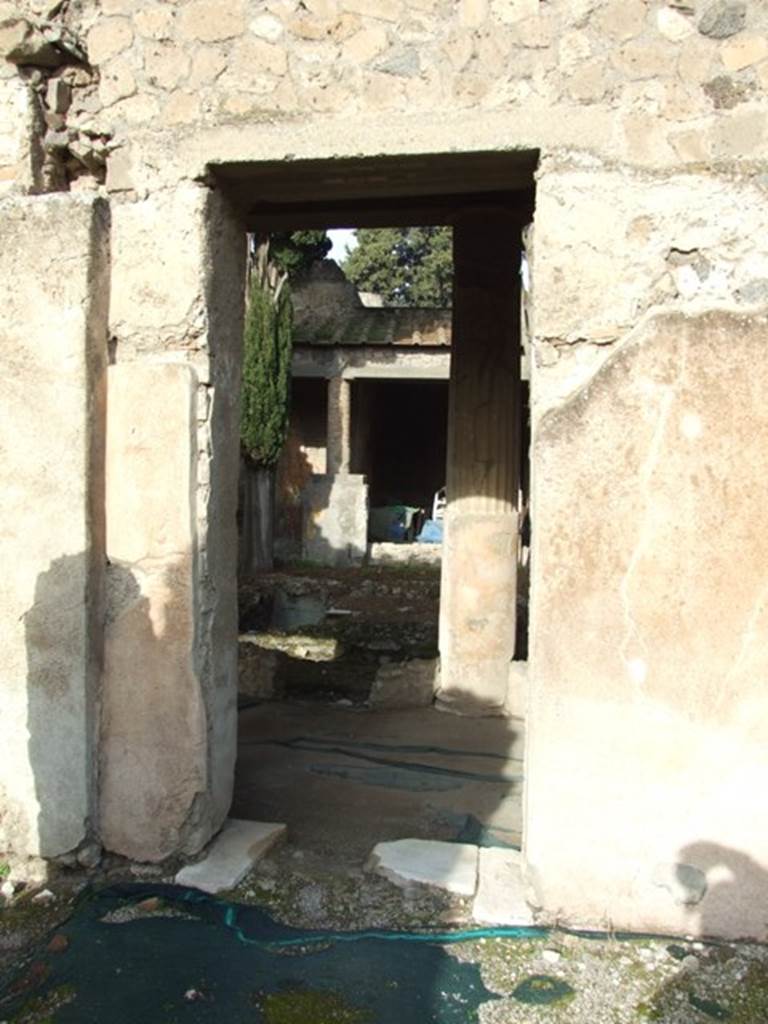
{"x": 406, "y": 862}
{"x": 501, "y": 889}
{"x": 231, "y": 855}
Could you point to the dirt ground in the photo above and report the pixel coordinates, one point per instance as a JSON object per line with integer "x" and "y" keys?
{"x": 345, "y": 778}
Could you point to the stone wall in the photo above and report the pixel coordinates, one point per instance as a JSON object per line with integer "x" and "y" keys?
{"x": 640, "y": 81}
{"x": 613, "y": 246}
{"x": 647, "y": 715}
{"x": 648, "y": 307}
{"x": 53, "y": 267}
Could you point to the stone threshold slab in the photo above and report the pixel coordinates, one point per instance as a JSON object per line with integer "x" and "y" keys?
{"x": 492, "y": 875}
{"x": 407, "y": 862}
{"x": 231, "y": 855}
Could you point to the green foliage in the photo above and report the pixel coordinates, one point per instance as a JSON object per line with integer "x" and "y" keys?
{"x": 291, "y": 251}
{"x": 267, "y": 347}
{"x": 407, "y": 266}
{"x": 268, "y": 340}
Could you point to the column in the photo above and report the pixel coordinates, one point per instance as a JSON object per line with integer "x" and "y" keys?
{"x": 339, "y": 425}
{"x": 477, "y": 610}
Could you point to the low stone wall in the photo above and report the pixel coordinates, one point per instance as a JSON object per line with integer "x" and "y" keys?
{"x": 384, "y": 553}
{"x": 405, "y": 684}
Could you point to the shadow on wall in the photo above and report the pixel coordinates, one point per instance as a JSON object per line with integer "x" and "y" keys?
{"x": 336, "y": 519}
{"x": 731, "y": 885}
{"x": 64, "y": 659}
{"x": 131, "y": 716}
{"x": 160, "y": 740}
{"x": 735, "y": 885}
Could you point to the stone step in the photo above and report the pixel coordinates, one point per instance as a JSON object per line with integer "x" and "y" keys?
{"x": 231, "y": 855}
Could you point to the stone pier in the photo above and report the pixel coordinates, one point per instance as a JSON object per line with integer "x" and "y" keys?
{"x": 336, "y": 502}
{"x": 52, "y": 537}
{"x": 477, "y": 610}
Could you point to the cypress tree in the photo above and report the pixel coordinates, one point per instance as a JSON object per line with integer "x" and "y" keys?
{"x": 268, "y": 340}
{"x": 267, "y": 348}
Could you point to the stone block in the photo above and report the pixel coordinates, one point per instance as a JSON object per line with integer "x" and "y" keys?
{"x": 510, "y": 11}
{"x": 723, "y": 18}
{"x": 154, "y": 766}
{"x": 108, "y": 38}
{"x": 182, "y": 108}
{"x": 501, "y": 889}
{"x": 150, "y": 461}
{"x": 23, "y": 43}
{"x": 409, "y": 862}
{"x": 154, "y": 23}
{"x": 365, "y": 45}
{"x": 648, "y": 655}
{"x": 207, "y": 21}
{"x": 256, "y": 669}
{"x": 536, "y": 33}
{"x": 336, "y": 519}
{"x": 116, "y": 82}
{"x": 385, "y": 10}
{"x": 744, "y": 52}
{"x": 166, "y": 64}
{"x": 473, "y": 13}
{"x": 19, "y": 159}
{"x": 622, "y": 19}
{"x": 267, "y": 26}
{"x": 673, "y": 24}
{"x": 237, "y": 848}
{"x": 58, "y": 95}
{"x": 158, "y": 260}
{"x": 642, "y": 59}
{"x": 392, "y": 553}
{"x": 53, "y": 279}
{"x": 405, "y": 684}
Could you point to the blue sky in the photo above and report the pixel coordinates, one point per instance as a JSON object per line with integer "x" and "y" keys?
{"x": 342, "y": 238}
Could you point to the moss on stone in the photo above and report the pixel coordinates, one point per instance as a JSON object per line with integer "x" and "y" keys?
{"x": 310, "y": 1007}
{"x": 32, "y": 919}
{"x": 43, "y": 1009}
{"x": 543, "y": 990}
{"x": 752, "y": 1003}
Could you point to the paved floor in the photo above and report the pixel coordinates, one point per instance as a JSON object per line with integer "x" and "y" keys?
{"x": 344, "y": 779}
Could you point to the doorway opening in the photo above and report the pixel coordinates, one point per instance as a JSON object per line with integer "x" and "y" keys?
{"x": 352, "y": 759}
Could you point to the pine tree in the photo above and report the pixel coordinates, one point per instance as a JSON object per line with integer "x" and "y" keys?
{"x": 407, "y": 266}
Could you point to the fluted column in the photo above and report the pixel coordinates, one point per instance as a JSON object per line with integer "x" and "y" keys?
{"x": 339, "y": 425}
{"x": 477, "y": 612}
